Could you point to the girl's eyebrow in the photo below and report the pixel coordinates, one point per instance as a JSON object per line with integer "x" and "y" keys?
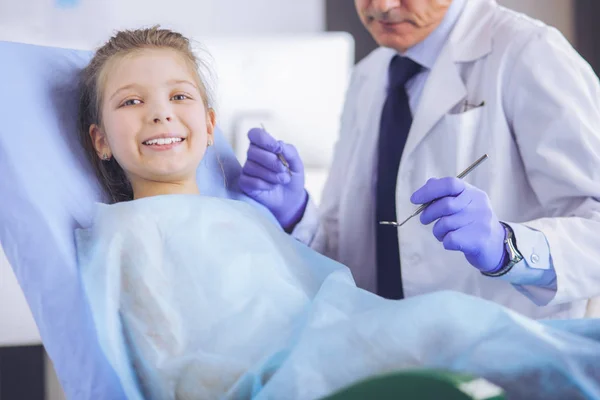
{"x": 132, "y": 85}
{"x": 171, "y": 83}
{"x": 184, "y": 81}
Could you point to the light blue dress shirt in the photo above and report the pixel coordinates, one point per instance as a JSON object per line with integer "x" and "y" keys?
{"x": 536, "y": 269}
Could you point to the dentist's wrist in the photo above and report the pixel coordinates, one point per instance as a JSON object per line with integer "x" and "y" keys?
{"x": 290, "y": 223}
{"x": 511, "y": 255}
{"x": 502, "y": 263}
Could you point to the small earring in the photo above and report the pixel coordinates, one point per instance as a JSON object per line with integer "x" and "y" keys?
{"x": 210, "y": 142}
{"x": 105, "y": 157}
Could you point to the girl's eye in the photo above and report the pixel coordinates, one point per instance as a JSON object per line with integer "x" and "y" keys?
{"x": 131, "y": 102}
{"x": 179, "y": 97}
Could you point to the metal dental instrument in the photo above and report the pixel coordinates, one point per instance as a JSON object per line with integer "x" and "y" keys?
{"x": 424, "y": 206}
{"x": 280, "y": 156}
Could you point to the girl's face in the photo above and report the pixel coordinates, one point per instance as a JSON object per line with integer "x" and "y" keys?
{"x": 154, "y": 121}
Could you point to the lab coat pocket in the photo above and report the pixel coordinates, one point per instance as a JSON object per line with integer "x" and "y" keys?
{"x": 461, "y": 135}
{"x": 465, "y": 122}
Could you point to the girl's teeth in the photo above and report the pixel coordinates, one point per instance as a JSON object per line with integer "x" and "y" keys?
{"x": 163, "y": 141}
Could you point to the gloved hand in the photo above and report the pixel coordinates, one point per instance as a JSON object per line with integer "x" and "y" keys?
{"x": 465, "y": 221}
{"x": 265, "y": 178}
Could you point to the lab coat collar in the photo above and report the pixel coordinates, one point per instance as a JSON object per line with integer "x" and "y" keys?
{"x": 426, "y": 52}
{"x": 470, "y": 39}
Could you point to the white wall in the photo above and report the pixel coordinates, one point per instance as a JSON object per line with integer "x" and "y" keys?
{"x": 87, "y": 23}
{"x": 558, "y": 13}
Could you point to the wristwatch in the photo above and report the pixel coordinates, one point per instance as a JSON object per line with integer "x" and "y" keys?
{"x": 514, "y": 256}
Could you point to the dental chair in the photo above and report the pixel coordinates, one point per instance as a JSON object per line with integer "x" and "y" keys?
{"x": 48, "y": 190}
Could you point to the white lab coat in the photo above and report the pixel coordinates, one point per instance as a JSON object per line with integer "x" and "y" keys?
{"x": 540, "y": 126}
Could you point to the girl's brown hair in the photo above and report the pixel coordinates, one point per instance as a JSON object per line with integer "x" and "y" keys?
{"x": 109, "y": 172}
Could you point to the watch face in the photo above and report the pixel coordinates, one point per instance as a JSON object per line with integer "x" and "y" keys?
{"x": 511, "y": 247}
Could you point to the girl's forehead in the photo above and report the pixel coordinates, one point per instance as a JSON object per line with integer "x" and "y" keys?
{"x": 147, "y": 68}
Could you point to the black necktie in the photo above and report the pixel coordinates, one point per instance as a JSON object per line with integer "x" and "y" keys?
{"x": 396, "y": 120}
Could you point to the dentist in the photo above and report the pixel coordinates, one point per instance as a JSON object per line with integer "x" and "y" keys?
{"x": 451, "y": 81}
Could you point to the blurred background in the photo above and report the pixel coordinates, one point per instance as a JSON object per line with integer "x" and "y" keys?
{"x": 282, "y": 63}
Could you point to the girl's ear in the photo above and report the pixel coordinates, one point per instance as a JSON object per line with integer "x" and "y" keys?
{"x": 100, "y": 142}
{"x": 211, "y": 120}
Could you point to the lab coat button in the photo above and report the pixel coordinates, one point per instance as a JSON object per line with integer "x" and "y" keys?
{"x": 534, "y": 258}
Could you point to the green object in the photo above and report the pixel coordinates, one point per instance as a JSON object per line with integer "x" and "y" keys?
{"x": 421, "y": 385}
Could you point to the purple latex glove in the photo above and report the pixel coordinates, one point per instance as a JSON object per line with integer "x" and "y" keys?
{"x": 465, "y": 221}
{"x": 266, "y": 179}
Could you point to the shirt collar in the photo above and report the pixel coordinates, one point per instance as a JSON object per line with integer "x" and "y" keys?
{"x": 426, "y": 52}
